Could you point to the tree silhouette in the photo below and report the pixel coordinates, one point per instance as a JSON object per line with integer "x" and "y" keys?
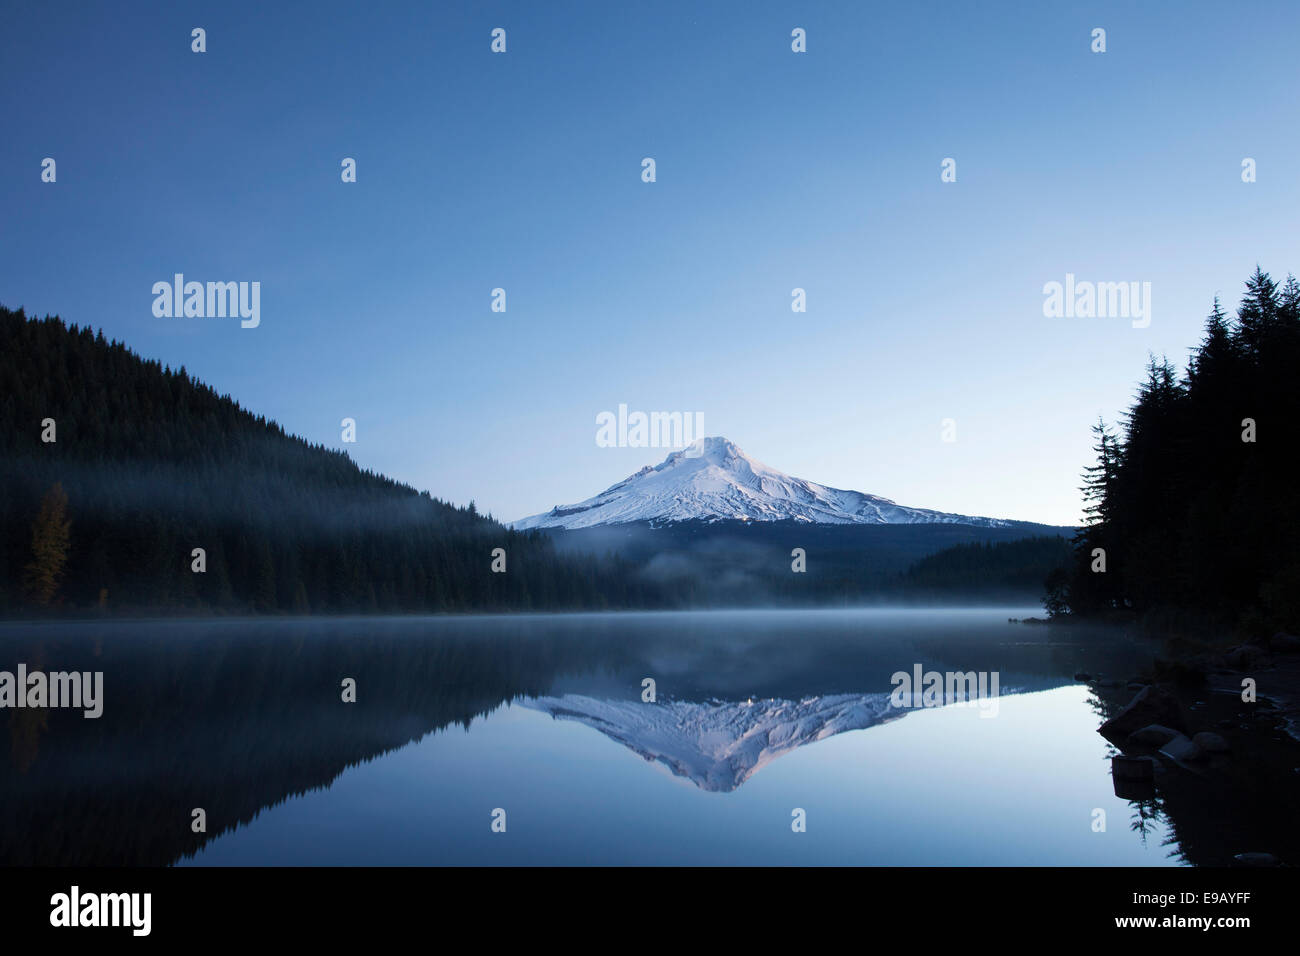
{"x": 51, "y": 534}
{"x": 1196, "y": 503}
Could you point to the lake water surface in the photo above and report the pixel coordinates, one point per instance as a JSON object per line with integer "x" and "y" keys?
{"x": 757, "y": 715}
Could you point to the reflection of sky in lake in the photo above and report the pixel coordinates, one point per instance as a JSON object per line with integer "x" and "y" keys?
{"x": 757, "y": 713}
{"x": 939, "y": 786}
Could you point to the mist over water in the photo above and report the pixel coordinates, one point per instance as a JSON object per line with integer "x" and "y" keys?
{"x": 756, "y": 714}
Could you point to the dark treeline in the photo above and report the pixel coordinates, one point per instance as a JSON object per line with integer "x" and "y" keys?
{"x": 749, "y": 563}
{"x": 1195, "y": 502}
{"x": 148, "y": 464}
{"x": 990, "y": 566}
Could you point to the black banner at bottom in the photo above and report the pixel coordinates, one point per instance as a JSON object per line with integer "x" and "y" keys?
{"x": 334, "y": 905}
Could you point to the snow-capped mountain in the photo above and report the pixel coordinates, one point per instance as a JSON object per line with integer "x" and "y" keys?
{"x": 719, "y": 745}
{"x": 714, "y": 480}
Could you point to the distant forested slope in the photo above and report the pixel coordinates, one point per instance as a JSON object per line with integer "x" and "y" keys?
{"x": 736, "y": 563}
{"x": 149, "y": 464}
{"x": 990, "y": 567}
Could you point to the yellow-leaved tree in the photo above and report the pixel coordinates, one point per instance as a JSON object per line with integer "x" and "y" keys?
{"x": 51, "y": 533}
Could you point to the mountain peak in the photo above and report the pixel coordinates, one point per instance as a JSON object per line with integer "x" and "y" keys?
{"x": 722, "y": 452}
{"x": 713, "y": 448}
{"x": 713, "y": 480}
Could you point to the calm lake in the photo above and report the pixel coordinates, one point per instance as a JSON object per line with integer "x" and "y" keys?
{"x": 539, "y": 723}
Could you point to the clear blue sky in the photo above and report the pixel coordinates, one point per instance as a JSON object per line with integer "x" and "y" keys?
{"x": 775, "y": 170}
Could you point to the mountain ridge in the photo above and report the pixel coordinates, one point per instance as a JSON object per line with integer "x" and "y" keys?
{"x": 712, "y": 479}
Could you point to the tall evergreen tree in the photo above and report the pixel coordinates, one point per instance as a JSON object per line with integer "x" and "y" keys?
{"x": 1258, "y": 313}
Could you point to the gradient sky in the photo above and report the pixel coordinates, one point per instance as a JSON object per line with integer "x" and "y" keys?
{"x": 775, "y": 170}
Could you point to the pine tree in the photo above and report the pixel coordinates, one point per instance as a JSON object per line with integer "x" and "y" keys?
{"x": 1258, "y": 313}
{"x": 1099, "y": 479}
{"x": 1218, "y": 353}
{"x": 1288, "y": 309}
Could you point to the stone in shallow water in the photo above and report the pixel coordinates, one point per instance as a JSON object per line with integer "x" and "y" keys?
{"x": 1152, "y": 735}
{"x": 1133, "y": 768}
{"x": 1247, "y": 657}
{"x": 1151, "y": 705}
{"x": 1133, "y": 777}
{"x": 1211, "y": 743}
{"x": 1285, "y": 643}
{"x": 1180, "y": 749}
{"x": 1257, "y": 859}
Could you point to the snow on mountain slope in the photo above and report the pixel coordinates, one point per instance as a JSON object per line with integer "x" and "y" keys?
{"x": 719, "y": 745}
{"x": 714, "y": 480}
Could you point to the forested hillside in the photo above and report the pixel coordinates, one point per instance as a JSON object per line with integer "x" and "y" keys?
{"x": 148, "y": 464}
{"x": 735, "y": 563}
{"x": 1195, "y": 500}
{"x": 990, "y": 567}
